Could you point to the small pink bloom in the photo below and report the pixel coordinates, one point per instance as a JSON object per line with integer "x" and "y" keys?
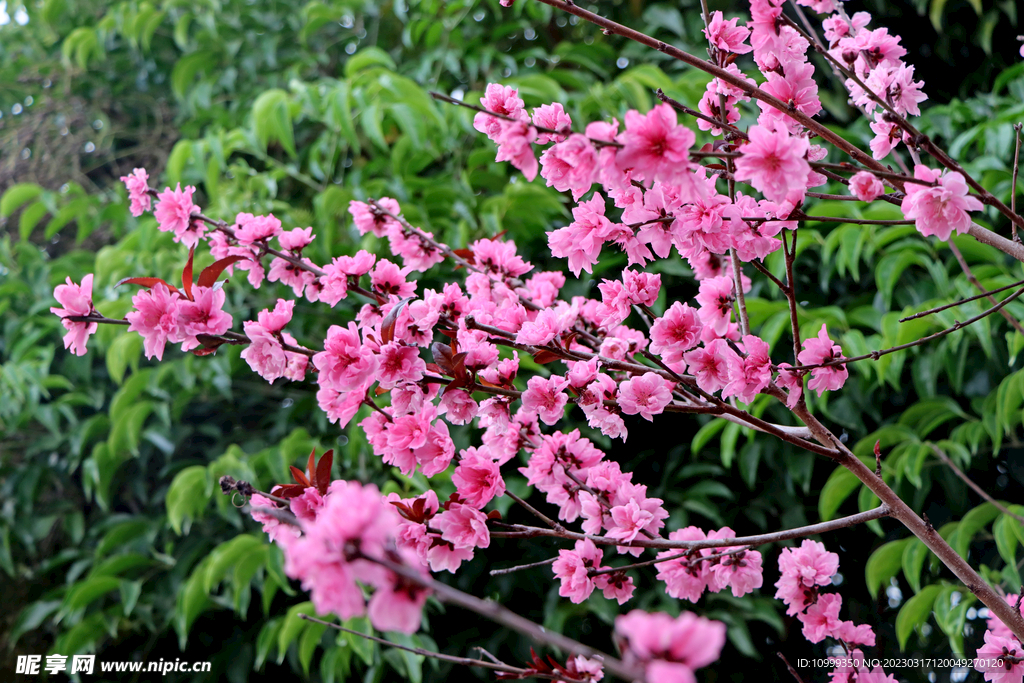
{"x": 264, "y": 354}
{"x": 821, "y": 618}
{"x": 500, "y": 99}
{"x": 774, "y": 163}
{"x": 515, "y": 145}
{"x": 345, "y": 363}
{"x": 647, "y": 395}
{"x": 991, "y": 663}
{"x": 399, "y": 364}
{"x": 726, "y": 35}
{"x": 655, "y": 145}
{"x": 174, "y": 214}
{"x": 582, "y": 239}
{"x": 866, "y": 186}
{"x": 250, "y": 229}
{"x": 545, "y": 398}
{"x": 570, "y": 165}
{"x": 478, "y": 478}
{"x": 137, "y": 183}
{"x": 715, "y": 298}
{"x": 819, "y": 350}
{"x": 295, "y": 239}
{"x": 675, "y": 332}
{"x": 463, "y": 526}
{"x": 552, "y": 116}
{"x": 272, "y": 526}
{"x": 942, "y": 209}
{"x": 571, "y": 569}
{"x": 203, "y": 315}
{"x": 156, "y": 318}
{"x": 713, "y": 365}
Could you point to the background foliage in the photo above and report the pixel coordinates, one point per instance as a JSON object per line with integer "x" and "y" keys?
{"x": 113, "y": 537}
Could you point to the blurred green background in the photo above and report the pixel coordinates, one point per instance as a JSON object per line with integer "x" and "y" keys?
{"x": 113, "y": 537}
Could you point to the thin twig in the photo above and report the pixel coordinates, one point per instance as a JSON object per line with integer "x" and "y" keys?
{"x": 941, "y": 455}
{"x": 521, "y": 567}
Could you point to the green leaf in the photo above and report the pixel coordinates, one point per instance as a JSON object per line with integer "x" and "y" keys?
{"x": 292, "y": 627}
{"x": 361, "y": 646}
{"x": 915, "y": 612}
{"x": 308, "y": 643}
{"x": 366, "y": 58}
{"x": 841, "y": 483}
{"x": 85, "y": 592}
{"x": 125, "y": 351}
{"x": 272, "y": 120}
{"x": 883, "y": 564}
{"x": 914, "y": 555}
{"x": 705, "y": 434}
{"x": 17, "y": 195}
{"x": 29, "y": 219}
{"x": 187, "y": 496}
{"x": 1006, "y": 538}
{"x": 186, "y": 68}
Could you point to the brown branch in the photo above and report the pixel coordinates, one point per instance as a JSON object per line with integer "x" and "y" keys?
{"x": 521, "y": 531}
{"x": 875, "y": 355}
{"x": 520, "y": 567}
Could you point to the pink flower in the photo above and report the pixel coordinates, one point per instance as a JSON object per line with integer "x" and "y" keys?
{"x": 713, "y": 365}
{"x": 687, "y": 577}
{"x": 819, "y": 350}
{"x": 274, "y": 321}
{"x": 501, "y": 99}
{"x": 296, "y": 239}
{"x": 570, "y": 165}
{"x": 753, "y": 373}
{"x": 655, "y": 145}
{"x": 345, "y": 363}
{"x": 942, "y": 209}
{"x": 368, "y": 219}
{"x": 647, "y": 395}
{"x": 399, "y": 364}
{"x": 463, "y": 526}
{"x": 203, "y": 315}
{"x": 866, "y": 186}
{"x": 156, "y": 318}
{"x": 571, "y": 569}
{"x": 791, "y": 381}
{"x": 272, "y": 526}
{"x": 265, "y": 355}
{"x": 821, "y": 618}
{"x": 996, "y": 625}
{"x": 552, "y": 116}
{"x": 725, "y": 35}
{"x": 307, "y": 505}
{"x": 854, "y": 634}
{"x": 545, "y": 398}
{"x": 774, "y": 163}
{"x": 715, "y": 298}
{"x": 397, "y": 604}
{"x": 76, "y": 300}
{"x": 137, "y": 183}
{"x": 582, "y": 239}
{"x": 250, "y": 229}
{"x": 477, "y": 478}
{"x": 803, "y": 569}
{"x": 174, "y": 214}
{"x": 990, "y": 661}
{"x": 387, "y": 278}
{"x": 675, "y": 332}
{"x": 515, "y": 145}
{"x": 671, "y": 648}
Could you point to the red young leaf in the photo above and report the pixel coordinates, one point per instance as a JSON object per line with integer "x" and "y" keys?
{"x": 878, "y": 449}
{"x": 145, "y": 282}
{"x": 204, "y": 351}
{"x": 443, "y": 357}
{"x": 544, "y": 357}
{"x": 300, "y": 476}
{"x": 289, "y": 491}
{"x": 433, "y": 367}
{"x": 464, "y": 254}
{"x": 387, "y": 326}
{"x": 493, "y": 514}
{"x": 311, "y": 467}
{"x": 209, "y": 276}
{"x": 323, "y": 472}
{"x": 380, "y": 391}
{"x": 719, "y": 167}
{"x": 210, "y": 342}
{"x": 448, "y": 333}
{"x": 186, "y": 275}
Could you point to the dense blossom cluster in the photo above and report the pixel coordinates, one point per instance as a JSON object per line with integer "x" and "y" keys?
{"x": 423, "y": 360}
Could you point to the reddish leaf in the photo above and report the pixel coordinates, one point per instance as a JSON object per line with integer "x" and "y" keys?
{"x": 387, "y": 326}
{"x": 878, "y": 449}
{"x": 145, "y": 282}
{"x": 443, "y": 357}
{"x": 311, "y": 467}
{"x": 448, "y": 333}
{"x": 432, "y": 367}
{"x": 210, "y": 342}
{"x": 204, "y": 351}
{"x": 459, "y": 365}
{"x": 380, "y": 391}
{"x": 289, "y": 491}
{"x": 493, "y": 514}
{"x": 720, "y": 167}
{"x": 482, "y": 382}
{"x": 186, "y": 275}
{"x": 323, "y": 472}
{"x": 544, "y": 357}
{"x": 465, "y": 255}
{"x": 300, "y": 476}
{"x": 209, "y": 276}
{"x": 499, "y": 235}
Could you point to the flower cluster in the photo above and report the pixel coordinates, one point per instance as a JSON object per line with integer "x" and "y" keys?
{"x": 343, "y": 532}
{"x": 670, "y": 650}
